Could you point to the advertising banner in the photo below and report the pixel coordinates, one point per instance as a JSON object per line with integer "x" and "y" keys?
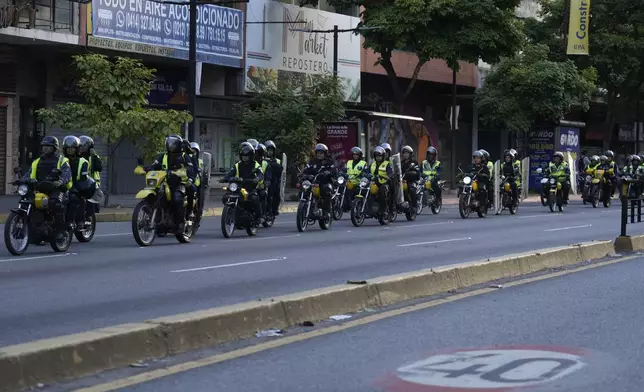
{"x": 568, "y": 140}
{"x": 541, "y": 146}
{"x": 163, "y": 29}
{"x": 578, "y": 27}
{"x": 274, "y": 52}
{"x": 340, "y": 137}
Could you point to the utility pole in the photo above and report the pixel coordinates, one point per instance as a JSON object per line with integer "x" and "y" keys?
{"x": 453, "y": 115}
{"x": 192, "y": 69}
{"x": 335, "y": 50}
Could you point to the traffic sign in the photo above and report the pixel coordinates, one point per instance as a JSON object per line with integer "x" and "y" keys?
{"x": 496, "y": 369}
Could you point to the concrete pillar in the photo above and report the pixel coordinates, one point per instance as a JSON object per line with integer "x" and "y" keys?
{"x": 475, "y": 129}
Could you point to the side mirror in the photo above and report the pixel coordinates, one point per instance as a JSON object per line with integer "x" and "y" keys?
{"x": 139, "y": 161}
{"x": 222, "y": 170}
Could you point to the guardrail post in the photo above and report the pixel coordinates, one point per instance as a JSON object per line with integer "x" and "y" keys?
{"x": 639, "y": 210}
{"x": 624, "y": 219}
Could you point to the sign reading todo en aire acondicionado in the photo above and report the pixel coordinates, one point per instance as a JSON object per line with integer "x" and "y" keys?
{"x": 220, "y": 30}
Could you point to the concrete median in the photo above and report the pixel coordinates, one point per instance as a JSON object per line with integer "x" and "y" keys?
{"x": 629, "y": 243}
{"x": 67, "y": 357}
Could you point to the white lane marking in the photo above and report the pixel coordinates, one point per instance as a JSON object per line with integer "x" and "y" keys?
{"x": 18, "y": 258}
{"x": 424, "y": 224}
{"x": 538, "y": 216}
{"x": 568, "y": 228}
{"x": 229, "y": 265}
{"x": 436, "y": 242}
{"x": 262, "y": 238}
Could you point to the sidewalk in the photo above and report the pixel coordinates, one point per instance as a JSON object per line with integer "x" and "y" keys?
{"x": 120, "y": 209}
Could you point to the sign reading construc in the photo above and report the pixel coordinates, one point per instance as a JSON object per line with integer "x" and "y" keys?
{"x": 578, "y": 27}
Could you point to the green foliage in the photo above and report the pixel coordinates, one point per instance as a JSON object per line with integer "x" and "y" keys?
{"x": 114, "y": 94}
{"x": 291, "y": 114}
{"x": 452, "y": 30}
{"x": 530, "y": 87}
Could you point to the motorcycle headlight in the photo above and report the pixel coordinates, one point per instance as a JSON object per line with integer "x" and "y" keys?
{"x": 151, "y": 182}
{"x": 552, "y": 181}
{"x": 233, "y": 186}
{"x": 588, "y": 178}
{"x": 22, "y": 190}
{"x": 467, "y": 180}
{"x": 364, "y": 182}
{"x": 340, "y": 180}
{"x": 544, "y": 180}
{"x": 306, "y": 184}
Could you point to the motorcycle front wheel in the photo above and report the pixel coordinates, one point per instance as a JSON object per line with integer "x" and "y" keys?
{"x": 338, "y": 211}
{"x": 62, "y": 245}
{"x": 16, "y": 224}
{"x": 463, "y": 208}
{"x": 143, "y": 234}
{"x": 86, "y": 234}
{"x": 188, "y": 232}
{"x": 302, "y": 220}
{"x": 551, "y": 202}
{"x": 357, "y": 217}
{"x": 269, "y": 221}
{"x": 228, "y": 223}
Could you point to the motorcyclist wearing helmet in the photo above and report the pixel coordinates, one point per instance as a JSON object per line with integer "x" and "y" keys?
{"x": 382, "y": 171}
{"x": 512, "y": 172}
{"x": 355, "y": 167}
{"x": 411, "y": 173}
{"x": 612, "y": 171}
{"x": 388, "y": 150}
{"x": 561, "y": 171}
{"x": 88, "y": 152}
{"x": 432, "y": 171}
{"x": 172, "y": 160}
{"x": 250, "y": 172}
{"x": 253, "y": 142}
{"x": 263, "y": 184}
{"x": 194, "y": 188}
{"x": 80, "y": 172}
{"x": 276, "y": 169}
{"x": 635, "y": 163}
{"x": 322, "y": 163}
{"x": 490, "y": 167}
{"x": 482, "y": 172}
{"x": 52, "y": 165}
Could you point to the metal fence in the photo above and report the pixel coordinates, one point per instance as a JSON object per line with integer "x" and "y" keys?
{"x": 631, "y": 204}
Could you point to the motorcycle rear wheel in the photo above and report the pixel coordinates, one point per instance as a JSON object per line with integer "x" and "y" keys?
{"x": 86, "y": 235}
{"x": 12, "y": 219}
{"x": 62, "y": 245}
{"x": 325, "y": 221}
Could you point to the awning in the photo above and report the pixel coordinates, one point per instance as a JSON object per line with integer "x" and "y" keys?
{"x": 386, "y": 115}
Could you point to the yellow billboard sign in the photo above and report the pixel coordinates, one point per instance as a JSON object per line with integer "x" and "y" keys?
{"x": 578, "y": 27}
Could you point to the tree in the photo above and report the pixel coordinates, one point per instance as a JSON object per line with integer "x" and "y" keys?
{"x": 452, "y": 30}
{"x": 114, "y": 98}
{"x": 291, "y": 114}
{"x": 529, "y": 88}
{"x": 616, "y": 41}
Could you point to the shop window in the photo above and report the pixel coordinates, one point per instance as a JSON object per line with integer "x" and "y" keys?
{"x": 220, "y": 140}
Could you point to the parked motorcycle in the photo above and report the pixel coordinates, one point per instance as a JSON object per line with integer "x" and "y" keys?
{"x": 238, "y": 212}
{"x": 309, "y": 208}
{"x": 468, "y": 200}
{"x": 32, "y": 221}
{"x": 366, "y": 205}
{"x": 154, "y": 215}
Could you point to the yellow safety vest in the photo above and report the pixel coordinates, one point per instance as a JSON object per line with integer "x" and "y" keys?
{"x": 61, "y": 161}
{"x": 198, "y": 179}
{"x": 263, "y": 167}
{"x": 490, "y": 167}
{"x": 94, "y": 174}
{"x": 429, "y": 169}
{"x": 383, "y": 177}
{"x": 355, "y": 172}
{"x": 558, "y": 171}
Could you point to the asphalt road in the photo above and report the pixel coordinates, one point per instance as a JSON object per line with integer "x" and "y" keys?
{"x": 111, "y": 280}
{"x": 579, "y": 332}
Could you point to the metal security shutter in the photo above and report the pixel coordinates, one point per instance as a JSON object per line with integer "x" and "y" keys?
{"x": 3, "y": 148}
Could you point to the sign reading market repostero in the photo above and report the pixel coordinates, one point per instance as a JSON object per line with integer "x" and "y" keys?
{"x": 276, "y": 53}
{"x": 147, "y": 26}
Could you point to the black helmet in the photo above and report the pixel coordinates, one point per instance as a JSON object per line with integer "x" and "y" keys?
{"x": 174, "y": 144}
{"x": 357, "y": 150}
{"x": 560, "y": 155}
{"x": 610, "y": 154}
{"x": 379, "y": 151}
{"x": 246, "y": 149}
{"x": 407, "y": 149}
{"x": 71, "y": 142}
{"x": 387, "y": 148}
{"x": 86, "y": 143}
{"x": 50, "y": 141}
{"x": 478, "y": 154}
{"x": 507, "y": 153}
{"x": 270, "y": 144}
{"x": 253, "y": 142}
{"x": 87, "y": 187}
{"x": 320, "y": 147}
{"x": 260, "y": 151}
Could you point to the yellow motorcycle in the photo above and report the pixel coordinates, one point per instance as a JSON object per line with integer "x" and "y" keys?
{"x": 153, "y": 215}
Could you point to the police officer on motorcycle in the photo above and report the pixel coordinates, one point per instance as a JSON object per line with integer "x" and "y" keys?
{"x": 411, "y": 174}
{"x": 511, "y": 171}
{"x": 354, "y": 169}
{"x": 323, "y": 164}
{"x": 382, "y": 173}
{"x": 44, "y": 169}
{"x": 276, "y": 169}
{"x": 88, "y": 152}
{"x": 432, "y": 171}
{"x": 175, "y": 159}
{"x": 80, "y": 171}
{"x": 193, "y": 190}
{"x": 250, "y": 173}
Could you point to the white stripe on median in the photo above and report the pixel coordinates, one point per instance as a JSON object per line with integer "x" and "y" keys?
{"x": 568, "y": 228}
{"x": 436, "y": 242}
{"x": 229, "y": 265}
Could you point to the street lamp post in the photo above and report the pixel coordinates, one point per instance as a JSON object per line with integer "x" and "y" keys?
{"x": 192, "y": 68}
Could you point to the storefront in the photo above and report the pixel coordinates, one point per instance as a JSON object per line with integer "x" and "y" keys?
{"x": 217, "y": 132}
